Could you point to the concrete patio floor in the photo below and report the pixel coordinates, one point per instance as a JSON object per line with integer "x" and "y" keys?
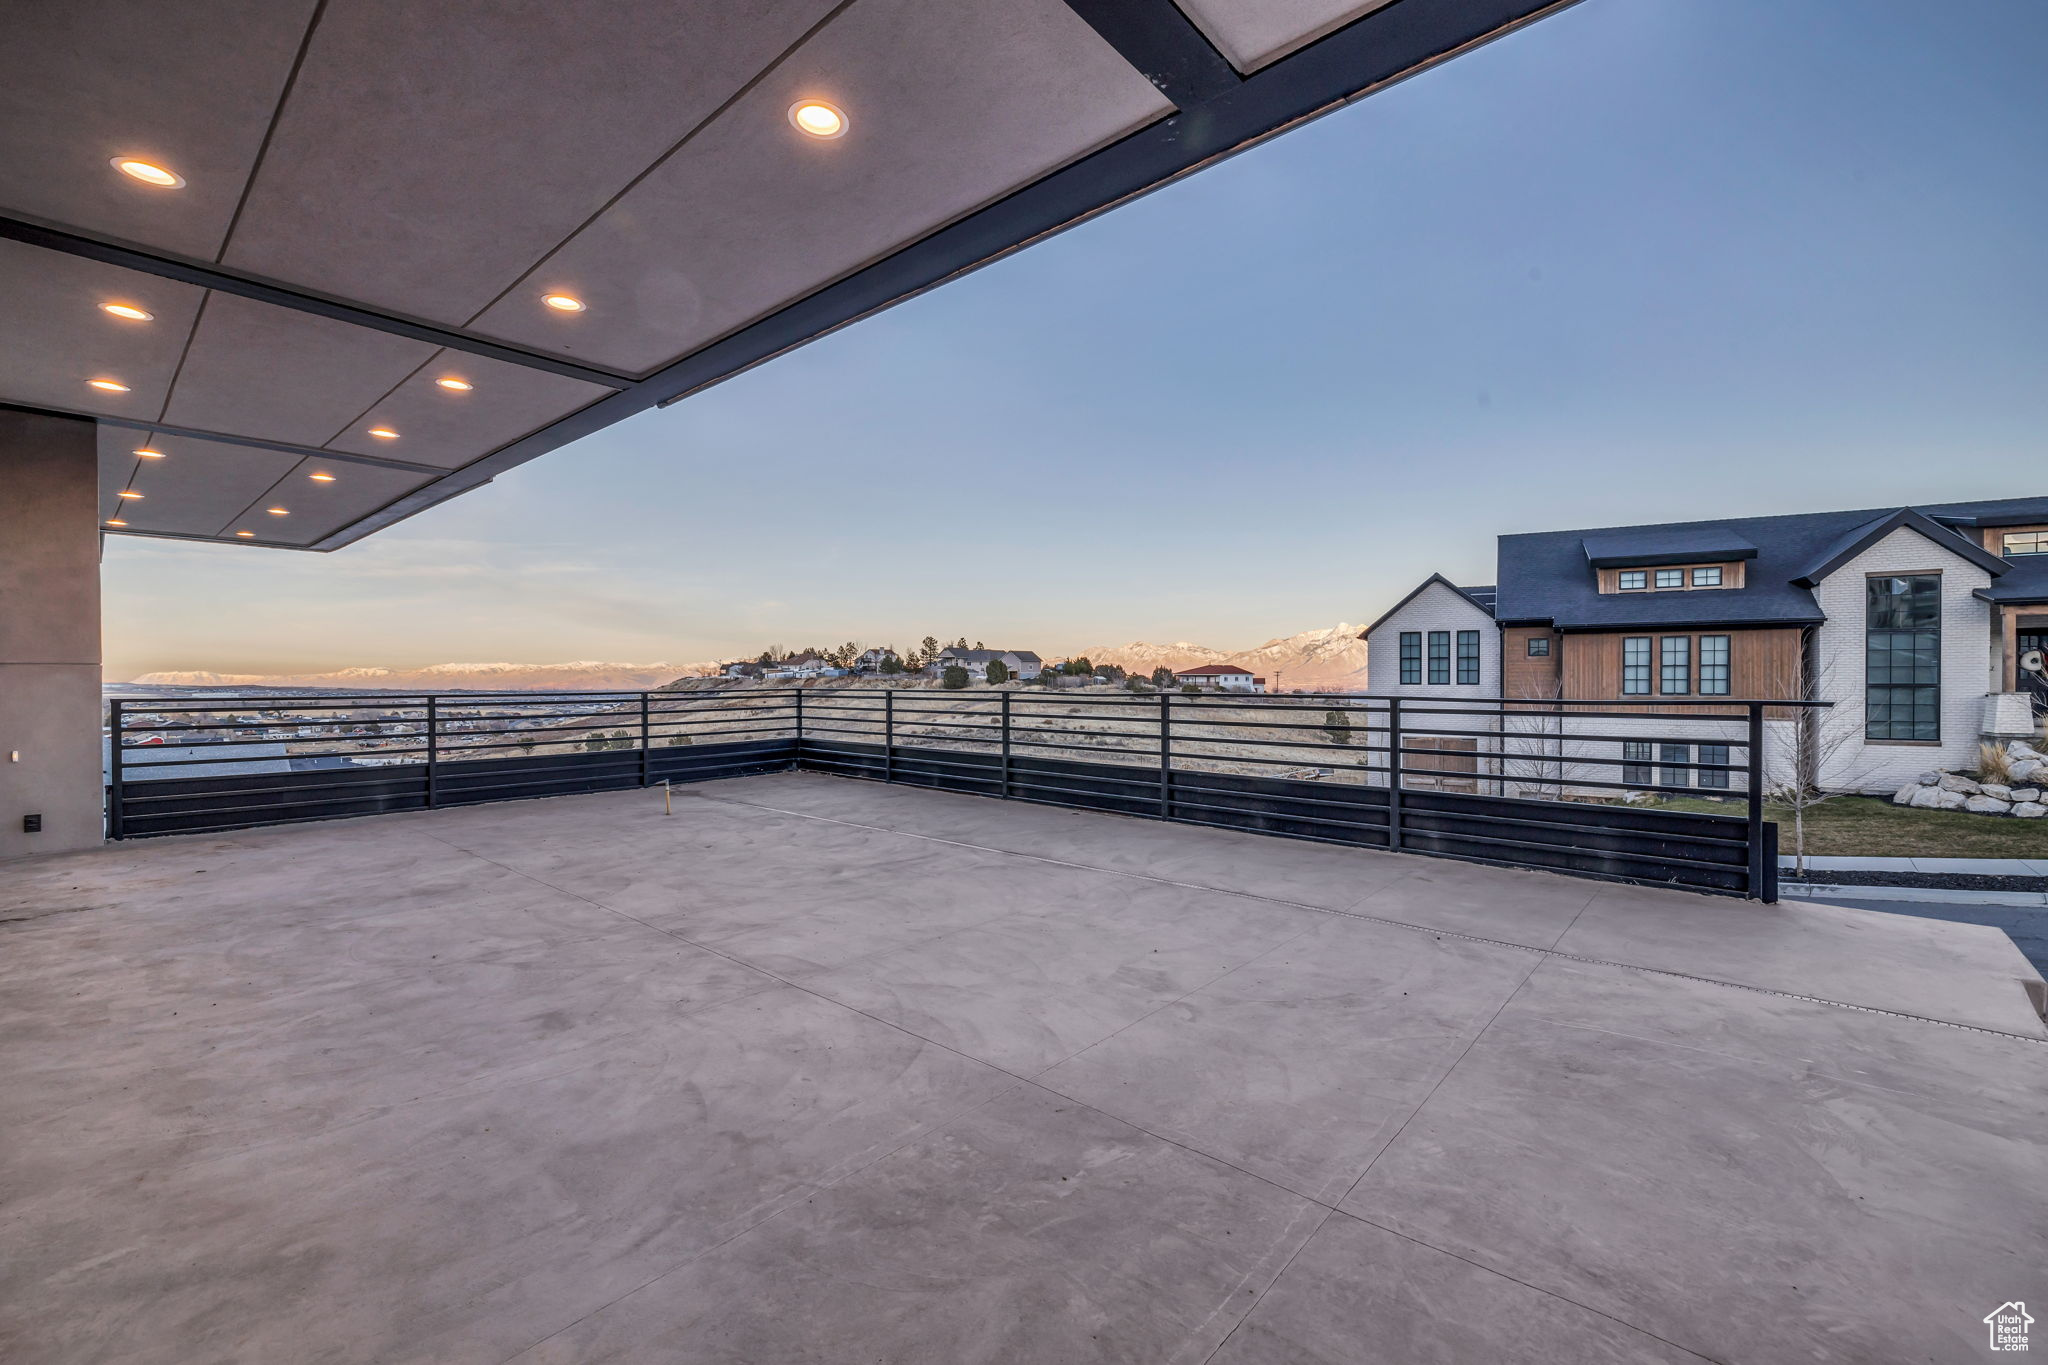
{"x": 816, "y": 1070}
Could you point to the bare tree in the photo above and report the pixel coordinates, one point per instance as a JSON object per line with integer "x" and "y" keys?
{"x": 1801, "y": 754}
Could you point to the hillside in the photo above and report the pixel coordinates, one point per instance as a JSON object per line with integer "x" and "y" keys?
{"x": 1328, "y": 660}
{"x": 581, "y": 676}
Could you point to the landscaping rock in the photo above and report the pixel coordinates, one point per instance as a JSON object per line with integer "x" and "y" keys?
{"x": 1904, "y": 795}
{"x": 1986, "y": 805}
{"x": 1930, "y": 778}
{"x": 2019, "y": 748}
{"x": 1937, "y": 798}
{"x": 1954, "y": 782}
{"x": 2026, "y": 793}
{"x": 1993, "y": 789}
{"x": 2027, "y": 769}
{"x": 2030, "y": 810}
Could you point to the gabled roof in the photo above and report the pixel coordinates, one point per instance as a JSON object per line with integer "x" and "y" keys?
{"x": 1545, "y": 576}
{"x": 1860, "y": 538}
{"x": 1482, "y": 598}
{"x": 1213, "y": 671}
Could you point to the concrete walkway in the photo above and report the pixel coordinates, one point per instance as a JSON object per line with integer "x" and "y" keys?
{"x": 816, "y": 1070}
{"x": 1982, "y": 867}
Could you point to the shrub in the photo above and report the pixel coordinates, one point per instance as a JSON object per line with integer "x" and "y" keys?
{"x": 891, "y": 664}
{"x": 955, "y": 677}
{"x": 998, "y": 672}
{"x": 1337, "y": 726}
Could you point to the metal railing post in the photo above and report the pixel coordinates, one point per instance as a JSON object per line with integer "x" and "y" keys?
{"x": 114, "y": 783}
{"x": 798, "y": 761}
{"x": 1166, "y": 755}
{"x": 646, "y": 741}
{"x": 1759, "y": 876}
{"x": 889, "y": 735}
{"x": 1394, "y": 772}
{"x": 1006, "y": 746}
{"x": 433, "y": 746}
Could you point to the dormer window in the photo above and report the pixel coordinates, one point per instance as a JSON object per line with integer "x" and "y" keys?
{"x": 1674, "y": 578}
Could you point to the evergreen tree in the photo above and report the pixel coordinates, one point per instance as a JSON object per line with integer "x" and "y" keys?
{"x": 998, "y": 672}
{"x": 1337, "y": 726}
{"x": 891, "y": 664}
{"x": 954, "y": 678}
{"x": 1162, "y": 676}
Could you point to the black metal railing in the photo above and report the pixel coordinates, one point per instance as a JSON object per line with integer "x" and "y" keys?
{"x": 1575, "y": 786}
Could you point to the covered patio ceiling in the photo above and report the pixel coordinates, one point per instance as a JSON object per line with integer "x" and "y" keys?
{"x": 317, "y": 265}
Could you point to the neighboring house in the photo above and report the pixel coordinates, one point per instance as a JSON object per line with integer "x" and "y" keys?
{"x": 1918, "y": 623}
{"x": 1022, "y": 663}
{"x": 872, "y": 660}
{"x": 1227, "y": 677}
{"x": 745, "y": 668}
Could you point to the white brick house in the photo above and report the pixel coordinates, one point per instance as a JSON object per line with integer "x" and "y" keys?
{"x": 1922, "y": 628}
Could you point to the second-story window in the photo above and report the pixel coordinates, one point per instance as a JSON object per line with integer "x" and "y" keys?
{"x": 1709, "y": 577}
{"x": 1634, "y": 580}
{"x": 1635, "y": 666}
{"x": 1411, "y": 658}
{"x": 1670, "y": 578}
{"x": 1713, "y": 665}
{"x": 1675, "y": 675}
{"x": 1468, "y": 658}
{"x": 2026, "y": 543}
{"x": 1902, "y": 658}
{"x": 1439, "y": 658}
{"x": 1539, "y": 646}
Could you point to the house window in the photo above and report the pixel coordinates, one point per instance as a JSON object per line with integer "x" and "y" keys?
{"x": 1670, "y": 578}
{"x": 1634, "y": 580}
{"x": 2026, "y": 543}
{"x": 1713, "y": 753}
{"x": 1635, "y": 763}
{"x": 1671, "y": 754}
{"x": 1439, "y": 658}
{"x": 1675, "y": 675}
{"x": 1635, "y": 666}
{"x": 1902, "y": 658}
{"x": 1713, "y": 665}
{"x": 1411, "y": 657}
{"x": 1707, "y": 578}
{"x": 1468, "y": 658}
{"x": 1539, "y": 646}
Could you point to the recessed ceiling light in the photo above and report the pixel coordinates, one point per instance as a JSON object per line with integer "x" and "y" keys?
{"x": 321, "y": 478}
{"x": 129, "y": 311}
{"x": 815, "y": 118}
{"x": 115, "y": 521}
{"x": 146, "y": 453}
{"x": 110, "y": 385}
{"x": 245, "y": 533}
{"x": 454, "y": 384}
{"x": 384, "y": 433}
{"x": 130, "y": 494}
{"x": 278, "y": 511}
{"x": 148, "y": 172}
{"x": 563, "y": 303}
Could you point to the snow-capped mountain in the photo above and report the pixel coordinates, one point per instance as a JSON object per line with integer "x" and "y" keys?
{"x": 1328, "y": 660}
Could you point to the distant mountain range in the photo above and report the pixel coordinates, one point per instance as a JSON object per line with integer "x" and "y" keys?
{"x": 581, "y": 676}
{"x": 1313, "y": 661}
{"x": 1329, "y": 660}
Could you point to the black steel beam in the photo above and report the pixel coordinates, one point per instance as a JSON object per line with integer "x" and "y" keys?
{"x": 1384, "y": 47}
{"x": 1164, "y": 45}
{"x": 72, "y": 242}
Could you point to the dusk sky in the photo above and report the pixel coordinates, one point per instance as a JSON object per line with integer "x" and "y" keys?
{"x": 1647, "y": 260}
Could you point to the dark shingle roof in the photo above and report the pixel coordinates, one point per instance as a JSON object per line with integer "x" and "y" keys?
{"x": 1545, "y": 576}
{"x": 1665, "y": 545}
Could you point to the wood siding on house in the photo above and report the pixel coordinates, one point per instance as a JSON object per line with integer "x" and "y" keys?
{"x": 1761, "y": 663}
{"x": 1732, "y": 576}
{"x": 1522, "y": 676}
